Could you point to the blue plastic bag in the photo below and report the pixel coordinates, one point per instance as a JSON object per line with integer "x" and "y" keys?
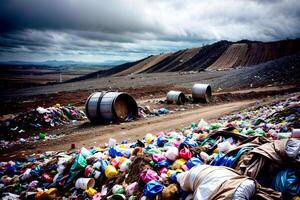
{"x": 188, "y": 143}
{"x": 113, "y": 152}
{"x": 153, "y": 188}
{"x": 287, "y": 182}
{"x": 193, "y": 162}
{"x": 161, "y": 141}
{"x": 162, "y": 163}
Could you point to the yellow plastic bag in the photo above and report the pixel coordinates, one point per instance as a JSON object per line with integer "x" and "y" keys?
{"x": 178, "y": 163}
{"x": 111, "y": 172}
{"x": 91, "y": 192}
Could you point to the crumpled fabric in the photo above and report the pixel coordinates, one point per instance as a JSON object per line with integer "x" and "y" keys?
{"x": 245, "y": 190}
{"x": 170, "y": 192}
{"x": 292, "y": 149}
{"x": 205, "y": 181}
{"x": 215, "y": 182}
{"x": 275, "y": 152}
{"x": 287, "y": 181}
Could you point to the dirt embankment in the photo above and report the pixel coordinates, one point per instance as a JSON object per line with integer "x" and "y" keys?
{"x": 144, "y": 65}
{"x": 246, "y": 54}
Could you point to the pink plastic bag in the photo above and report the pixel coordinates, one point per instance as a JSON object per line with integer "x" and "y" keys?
{"x": 158, "y": 157}
{"x": 148, "y": 175}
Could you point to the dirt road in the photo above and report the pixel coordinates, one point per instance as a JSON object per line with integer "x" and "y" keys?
{"x": 88, "y": 136}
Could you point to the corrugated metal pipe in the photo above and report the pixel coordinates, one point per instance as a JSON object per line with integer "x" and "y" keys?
{"x": 201, "y": 93}
{"x": 111, "y": 106}
{"x": 176, "y": 97}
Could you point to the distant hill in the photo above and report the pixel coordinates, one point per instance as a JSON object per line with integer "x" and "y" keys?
{"x": 221, "y": 55}
{"x": 61, "y": 63}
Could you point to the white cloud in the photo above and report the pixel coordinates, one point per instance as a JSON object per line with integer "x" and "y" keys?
{"x": 136, "y": 28}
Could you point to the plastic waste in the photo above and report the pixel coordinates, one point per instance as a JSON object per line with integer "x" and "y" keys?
{"x": 202, "y": 124}
{"x": 118, "y": 189}
{"x": 166, "y": 155}
{"x": 295, "y": 133}
{"x": 178, "y": 163}
{"x": 153, "y": 188}
{"x": 149, "y": 138}
{"x": 185, "y": 153}
{"x": 84, "y": 183}
{"x": 125, "y": 165}
{"x": 225, "y": 146}
{"x": 158, "y": 157}
{"x": 170, "y": 192}
{"x": 193, "y": 162}
{"x": 111, "y": 172}
{"x": 161, "y": 141}
{"x": 130, "y": 189}
{"x": 287, "y": 182}
{"x": 172, "y": 153}
{"x": 42, "y": 136}
{"x": 91, "y": 192}
{"x": 214, "y": 126}
{"x": 162, "y": 163}
{"x": 148, "y": 175}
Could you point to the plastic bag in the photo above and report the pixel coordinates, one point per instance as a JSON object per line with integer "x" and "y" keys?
{"x": 148, "y": 175}
{"x": 172, "y": 153}
{"x": 193, "y": 162}
{"x": 158, "y": 157}
{"x": 162, "y": 163}
{"x": 153, "y": 188}
{"x": 185, "y": 153}
{"x": 287, "y": 182}
{"x": 77, "y": 167}
{"x": 111, "y": 172}
{"x": 292, "y": 149}
{"x": 245, "y": 190}
{"x": 202, "y": 124}
{"x": 118, "y": 189}
{"x": 161, "y": 141}
{"x": 178, "y": 163}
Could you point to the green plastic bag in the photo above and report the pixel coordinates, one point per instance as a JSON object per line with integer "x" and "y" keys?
{"x": 214, "y": 126}
{"x": 151, "y": 151}
{"x": 42, "y": 136}
{"x": 260, "y": 132}
{"x": 77, "y": 167}
{"x": 250, "y": 131}
{"x": 193, "y": 125}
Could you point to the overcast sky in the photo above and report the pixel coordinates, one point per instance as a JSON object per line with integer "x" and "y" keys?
{"x": 99, "y": 30}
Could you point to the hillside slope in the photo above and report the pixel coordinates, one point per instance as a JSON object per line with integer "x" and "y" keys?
{"x": 219, "y": 55}
{"x": 245, "y": 54}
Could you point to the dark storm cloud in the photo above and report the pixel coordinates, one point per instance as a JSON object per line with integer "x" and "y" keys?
{"x": 137, "y": 28}
{"x": 93, "y": 15}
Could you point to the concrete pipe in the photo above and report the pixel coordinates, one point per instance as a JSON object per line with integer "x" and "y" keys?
{"x": 176, "y": 96}
{"x": 110, "y": 106}
{"x": 201, "y": 93}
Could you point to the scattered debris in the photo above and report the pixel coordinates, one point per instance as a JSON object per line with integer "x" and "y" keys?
{"x": 251, "y": 142}
{"x": 30, "y": 126}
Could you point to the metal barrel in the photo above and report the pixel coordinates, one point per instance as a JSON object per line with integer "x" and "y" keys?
{"x": 176, "y": 96}
{"x": 201, "y": 92}
{"x": 110, "y": 106}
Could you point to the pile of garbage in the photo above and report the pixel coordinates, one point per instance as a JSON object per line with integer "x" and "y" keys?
{"x": 249, "y": 154}
{"x": 146, "y": 111}
{"x": 39, "y": 119}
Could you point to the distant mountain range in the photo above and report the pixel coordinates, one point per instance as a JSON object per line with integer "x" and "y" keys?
{"x": 58, "y": 63}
